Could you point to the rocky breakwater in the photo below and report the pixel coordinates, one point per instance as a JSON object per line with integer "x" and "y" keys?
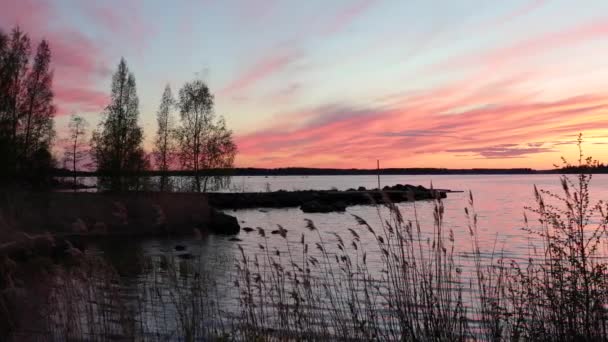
{"x": 321, "y": 201}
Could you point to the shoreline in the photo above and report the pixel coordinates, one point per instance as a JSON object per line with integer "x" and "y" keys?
{"x": 303, "y": 171}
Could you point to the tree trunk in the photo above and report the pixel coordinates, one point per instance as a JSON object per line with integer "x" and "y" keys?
{"x": 28, "y": 126}
{"x": 74, "y": 160}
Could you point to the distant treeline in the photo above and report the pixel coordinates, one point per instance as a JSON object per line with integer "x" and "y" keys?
{"x": 301, "y": 171}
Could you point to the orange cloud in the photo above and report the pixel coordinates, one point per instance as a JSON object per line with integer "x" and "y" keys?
{"x": 479, "y": 123}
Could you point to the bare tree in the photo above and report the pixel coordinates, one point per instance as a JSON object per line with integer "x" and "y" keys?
{"x": 204, "y": 142}
{"x": 164, "y": 146}
{"x": 75, "y": 152}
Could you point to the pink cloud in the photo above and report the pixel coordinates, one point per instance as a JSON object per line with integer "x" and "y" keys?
{"x": 121, "y": 18}
{"x": 347, "y": 15}
{"x": 262, "y": 69}
{"x": 529, "y": 7}
{"x": 77, "y": 60}
{"x": 24, "y": 13}
{"x": 524, "y": 10}
{"x": 271, "y": 65}
{"x": 77, "y": 56}
{"x": 575, "y": 35}
{"x": 422, "y": 43}
{"x": 77, "y": 71}
{"x": 256, "y": 10}
{"x": 484, "y": 121}
{"x": 79, "y": 99}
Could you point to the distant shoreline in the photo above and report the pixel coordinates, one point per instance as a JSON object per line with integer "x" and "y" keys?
{"x": 297, "y": 171}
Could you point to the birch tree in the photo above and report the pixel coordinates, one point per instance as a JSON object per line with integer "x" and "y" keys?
{"x": 204, "y": 141}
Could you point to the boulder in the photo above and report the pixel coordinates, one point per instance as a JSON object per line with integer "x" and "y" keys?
{"x": 221, "y": 223}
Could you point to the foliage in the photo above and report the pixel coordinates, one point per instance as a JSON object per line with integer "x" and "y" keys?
{"x": 330, "y": 290}
{"x": 117, "y": 143}
{"x": 560, "y": 293}
{"x": 204, "y": 140}
{"x": 164, "y": 148}
{"x": 26, "y": 110}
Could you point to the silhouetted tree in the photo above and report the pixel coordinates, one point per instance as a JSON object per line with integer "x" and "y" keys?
{"x": 75, "y": 151}
{"x": 204, "y": 142}
{"x": 6, "y": 167}
{"x": 13, "y": 68}
{"x": 37, "y": 107}
{"x": 117, "y": 143}
{"x": 141, "y": 163}
{"x": 26, "y": 109}
{"x": 164, "y": 147}
{"x": 220, "y": 151}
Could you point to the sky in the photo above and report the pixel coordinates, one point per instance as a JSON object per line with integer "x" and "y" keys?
{"x": 343, "y": 83}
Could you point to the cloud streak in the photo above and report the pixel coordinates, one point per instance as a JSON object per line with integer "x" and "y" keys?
{"x": 519, "y": 12}
{"x": 121, "y": 18}
{"x": 78, "y": 61}
{"x": 262, "y": 69}
{"x": 543, "y": 44}
{"x": 503, "y": 151}
{"x": 346, "y": 16}
{"x": 347, "y": 136}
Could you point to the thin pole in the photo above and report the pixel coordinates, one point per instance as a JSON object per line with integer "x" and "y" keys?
{"x": 378, "y": 166}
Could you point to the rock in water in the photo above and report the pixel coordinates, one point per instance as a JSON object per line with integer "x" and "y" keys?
{"x": 220, "y": 223}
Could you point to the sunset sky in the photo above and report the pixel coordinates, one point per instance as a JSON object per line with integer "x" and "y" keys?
{"x": 321, "y": 83}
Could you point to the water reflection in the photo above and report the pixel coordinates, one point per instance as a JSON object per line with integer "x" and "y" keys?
{"x": 163, "y": 284}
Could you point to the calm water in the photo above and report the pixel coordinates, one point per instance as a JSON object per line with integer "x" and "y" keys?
{"x": 499, "y": 202}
